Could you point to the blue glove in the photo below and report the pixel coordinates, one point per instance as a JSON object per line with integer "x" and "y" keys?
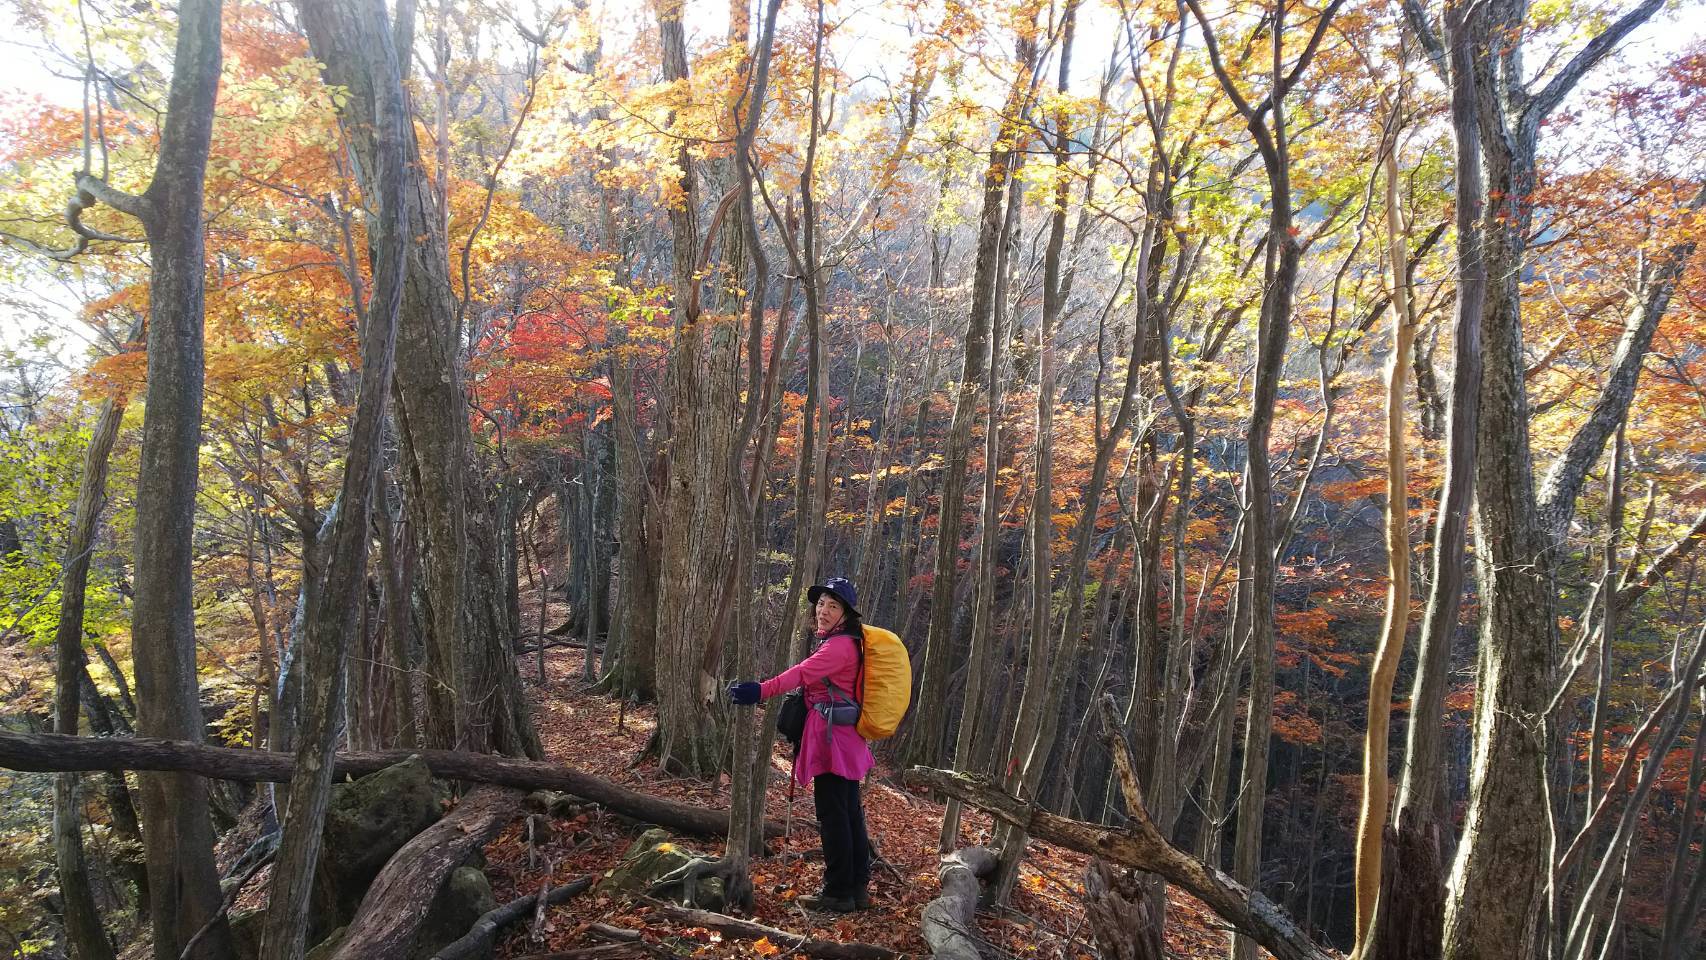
{"x": 744, "y": 693}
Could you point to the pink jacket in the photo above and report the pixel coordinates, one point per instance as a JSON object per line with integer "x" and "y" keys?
{"x": 825, "y": 749}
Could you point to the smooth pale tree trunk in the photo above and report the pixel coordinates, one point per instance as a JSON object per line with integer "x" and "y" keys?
{"x": 1371, "y": 820}
{"x": 336, "y": 616}
{"x": 85, "y": 937}
{"x": 1421, "y": 822}
{"x": 177, "y": 832}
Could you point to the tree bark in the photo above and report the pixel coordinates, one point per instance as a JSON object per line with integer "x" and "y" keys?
{"x": 1421, "y": 798}
{"x": 950, "y": 920}
{"x": 1120, "y": 911}
{"x": 474, "y": 699}
{"x": 336, "y": 615}
{"x": 695, "y": 529}
{"x": 178, "y": 836}
{"x": 397, "y": 901}
{"x": 1412, "y": 898}
{"x": 480, "y": 938}
{"x": 750, "y": 733}
{"x": 634, "y": 674}
{"x": 1273, "y": 333}
{"x": 1498, "y": 903}
{"x": 977, "y": 666}
{"x": 85, "y": 937}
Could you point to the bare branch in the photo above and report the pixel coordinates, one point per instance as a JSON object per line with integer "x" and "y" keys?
{"x": 1589, "y": 57}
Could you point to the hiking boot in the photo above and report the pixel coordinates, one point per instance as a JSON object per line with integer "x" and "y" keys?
{"x": 823, "y": 903}
{"x": 862, "y": 900}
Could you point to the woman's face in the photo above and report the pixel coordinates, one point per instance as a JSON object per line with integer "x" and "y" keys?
{"x": 829, "y": 612}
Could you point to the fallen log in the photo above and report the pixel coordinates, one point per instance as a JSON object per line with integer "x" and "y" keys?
{"x": 56, "y": 753}
{"x": 397, "y": 902}
{"x": 789, "y": 942}
{"x": 480, "y": 937}
{"x": 1139, "y": 844}
{"x": 950, "y": 925}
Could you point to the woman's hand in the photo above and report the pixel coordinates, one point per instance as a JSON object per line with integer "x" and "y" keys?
{"x": 744, "y": 693}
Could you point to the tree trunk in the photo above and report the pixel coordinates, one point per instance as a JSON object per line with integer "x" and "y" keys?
{"x": 923, "y": 744}
{"x": 1371, "y": 821}
{"x": 1120, "y": 912}
{"x": 177, "y": 833}
{"x": 695, "y": 529}
{"x": 1273, "y": 333}
{"x": 1140, "y": 845}
{"x": 950, "y": 920}
{"x": 474, "y": 699}
{"x": 900, "y": 612}
{"x": 977, "y": 664}
{"x": 1422, "y": 820}
{"x": 1682, "y": 897}
{"x": 750, "y": 733}
{"x": 84, "y": 935}
{"x": 1421, "y": 796}
{"x": 1053, "y": 655}
{"x": 105, "y": 721}
{"x": 396, "y": 563}
{"x": 1412, "y": 898}
{"x": 1498, "y": 903}
{"x": 634, "y": 675}
{"x": 336, "y": 616}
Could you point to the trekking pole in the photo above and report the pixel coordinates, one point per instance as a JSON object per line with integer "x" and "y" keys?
{"x": 788, "y": 817}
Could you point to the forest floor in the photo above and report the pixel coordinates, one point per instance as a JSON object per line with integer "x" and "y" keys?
{"x": 600, "y": 736}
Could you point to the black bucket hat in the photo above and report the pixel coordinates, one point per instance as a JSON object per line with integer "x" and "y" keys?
{"x": 841, "y": 589}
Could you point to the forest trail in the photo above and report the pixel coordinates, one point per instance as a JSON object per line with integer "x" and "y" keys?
{"x": 1047, "y": 919}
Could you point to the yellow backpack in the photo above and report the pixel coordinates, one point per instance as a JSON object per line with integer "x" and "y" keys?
{"x": 885, "y": 685}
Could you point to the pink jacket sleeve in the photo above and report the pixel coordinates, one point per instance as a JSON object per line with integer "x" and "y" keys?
{"x": 833, "y": 657}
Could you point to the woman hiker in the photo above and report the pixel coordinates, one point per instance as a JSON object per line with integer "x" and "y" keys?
{"x": 833, "y": 757}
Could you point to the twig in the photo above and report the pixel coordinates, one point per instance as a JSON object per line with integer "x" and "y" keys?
{"x": 536, "y": 932}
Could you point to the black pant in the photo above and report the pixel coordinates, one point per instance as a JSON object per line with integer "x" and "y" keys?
{"x": 846, "y": 846}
